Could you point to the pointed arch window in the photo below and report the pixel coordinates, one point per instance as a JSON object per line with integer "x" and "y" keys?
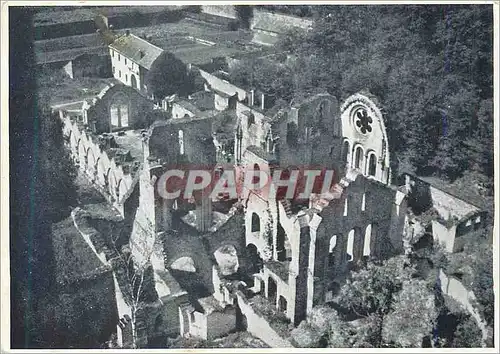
{"x": 255, "y": 222}
{"x": 350, "y": 246}
{"x": 372, "y": 165}
{"x": 358, "y": 157}
{"x": 331, "y": 254}
{"x": 346, "y": 149}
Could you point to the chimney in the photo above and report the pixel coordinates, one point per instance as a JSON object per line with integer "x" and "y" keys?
{"x": 262, "y": 102}
{"x": 141, "y": 53}
{"x": 127, "y": 32}
{"x": 251, "y": 97}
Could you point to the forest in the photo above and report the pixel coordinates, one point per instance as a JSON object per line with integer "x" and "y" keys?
{"x": 431, "y": 68}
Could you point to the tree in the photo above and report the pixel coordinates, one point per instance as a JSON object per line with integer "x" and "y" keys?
{"x": 244, "y": 14}
{"x": 430, "y": 66}
{"x": 134, "y": 279}
{"x": 371, "y": 289}
{"x": 379, "y": 295}
{"x": 40, "y": 190}
{"x": 58, "y": 172}
{"x": 275, "y": 80}
{"x": 412, "y": 316}
{"x": 467, "y": 334}
{"x": 482, "y": 282}
{"x": 481, "y": 142}
{"x": 168, "y": 75}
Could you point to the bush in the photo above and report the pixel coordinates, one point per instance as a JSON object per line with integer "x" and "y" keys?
{"x": 467, "y": 334}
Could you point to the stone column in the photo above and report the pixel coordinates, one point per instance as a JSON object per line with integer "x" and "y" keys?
{"x": 204, "y": 212}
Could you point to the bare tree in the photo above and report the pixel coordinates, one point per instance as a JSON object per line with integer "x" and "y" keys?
{"x": 131, "y": 282}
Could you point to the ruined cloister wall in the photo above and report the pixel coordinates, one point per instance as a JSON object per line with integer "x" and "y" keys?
{"x": 111, "y": 179}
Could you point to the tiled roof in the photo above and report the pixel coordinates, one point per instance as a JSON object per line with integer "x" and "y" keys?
{"x": 137, "y": 49}
{"x": 278, "y": 23}
{"x": 464, "y": 192}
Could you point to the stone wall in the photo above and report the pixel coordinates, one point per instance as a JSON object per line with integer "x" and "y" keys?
{"x": 444, "y": 234}
{"x": 88, "y": 65}
{"x": 220, "y": 10}
{"x": 310, "y": 133}
{"x": 98, "y": 111}
{"x": 87, "y": 304}
{"x": 454, "y": 288}
{"x": 221, "y": 323}
{"x": 258, "y": 325}
{"x": 360, "y": 224}
{"x": 182, "y": 140}
{"x": 57, "y": 30}
{"x": 230, "y": 233}
{"x": 110, "y": 177}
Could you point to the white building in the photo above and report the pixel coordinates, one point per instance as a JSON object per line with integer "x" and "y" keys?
{"x": 131, "y": 59}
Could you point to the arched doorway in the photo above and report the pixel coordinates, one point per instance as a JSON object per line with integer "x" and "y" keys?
{"x": 255, "y": 223}
{"x": 282, "y": 304}
{"x": 280, "y": 244}
{"x": 255, "y": 262}
{"x": 133, "y": 81}
{"x": 272, "y": 290}
{"x": 82, "y": 155}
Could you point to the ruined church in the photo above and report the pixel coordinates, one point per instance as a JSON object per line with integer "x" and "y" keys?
{"x": 208, "y": 259}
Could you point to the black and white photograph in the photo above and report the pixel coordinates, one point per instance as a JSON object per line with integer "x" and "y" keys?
{"x": 249, "y": 175}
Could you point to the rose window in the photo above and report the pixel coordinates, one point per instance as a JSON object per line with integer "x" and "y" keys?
{"x": 363, "y": 121}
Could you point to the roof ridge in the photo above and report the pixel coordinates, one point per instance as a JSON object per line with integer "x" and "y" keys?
{"x": 142, "y": 39}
